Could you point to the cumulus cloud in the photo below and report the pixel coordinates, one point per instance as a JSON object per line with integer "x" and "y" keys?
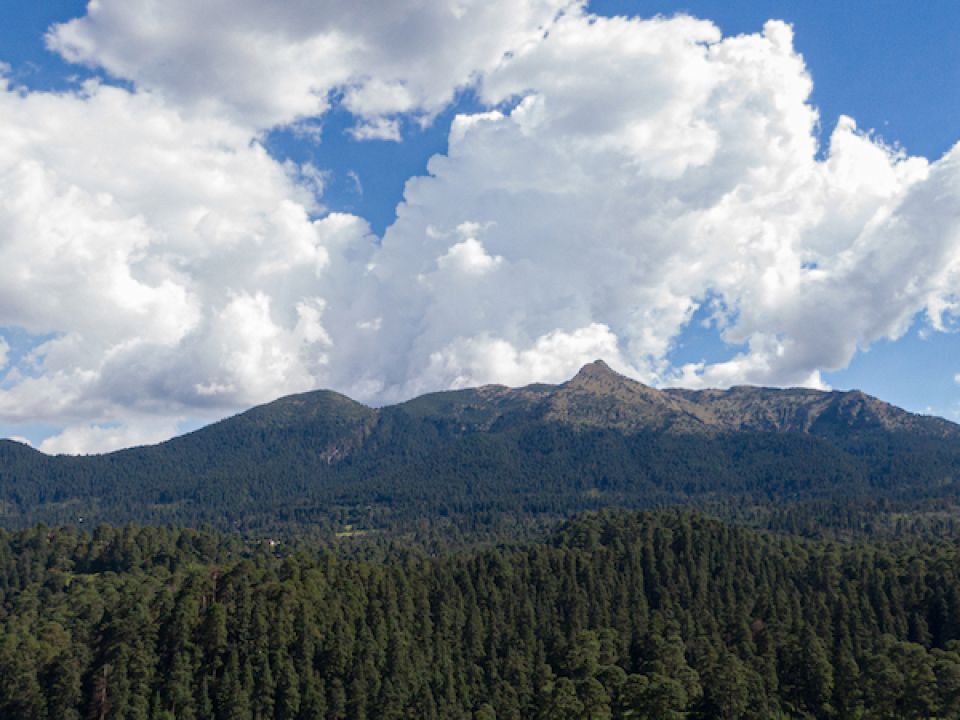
{"x": 170, "y": 261}
{"x": 625, "y": 174}
{"x": 468, "y": 256}
{"x": 268, "y": 64}
{"x": 4, "y": 352}
{"x": 642, "y": 168}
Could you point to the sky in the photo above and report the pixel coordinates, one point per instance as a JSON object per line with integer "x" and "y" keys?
{"x": 205, "y": 206}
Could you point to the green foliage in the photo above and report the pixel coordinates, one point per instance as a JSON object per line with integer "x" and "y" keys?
{"x": 667, "y": 615}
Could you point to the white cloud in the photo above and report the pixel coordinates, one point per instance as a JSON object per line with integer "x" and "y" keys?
{"x": 268, "y": 64}
{"x": 553, "y": 357}
{"x": 173, "y": 262}
{"x": 468, "y": 257}
{"x": 377, "y": 129}
{"x": 88, "y": 439}
{"x": 645, "y": 167}
{"x": 4, "y": 352}
{"x": 625, "y": 173}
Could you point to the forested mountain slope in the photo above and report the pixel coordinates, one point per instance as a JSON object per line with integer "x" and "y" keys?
{"x": 488, "y": 453}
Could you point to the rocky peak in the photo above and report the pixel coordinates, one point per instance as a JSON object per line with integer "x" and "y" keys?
{"x": 599, "y": 376}
{"x": 600, "y": 397}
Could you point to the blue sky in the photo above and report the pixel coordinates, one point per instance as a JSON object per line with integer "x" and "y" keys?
{"x": 891, "y": 66}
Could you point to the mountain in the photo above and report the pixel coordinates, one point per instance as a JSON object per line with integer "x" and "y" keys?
{"x": 601, "y": 398}
{"x": 492, "y": 454}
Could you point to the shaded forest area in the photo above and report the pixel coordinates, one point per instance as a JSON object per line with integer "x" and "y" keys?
{"x": 616, "y": 615}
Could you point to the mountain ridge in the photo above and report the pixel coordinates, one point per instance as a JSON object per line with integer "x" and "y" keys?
{"x": 598, "y": 396}
{"x": 504, "y": 454}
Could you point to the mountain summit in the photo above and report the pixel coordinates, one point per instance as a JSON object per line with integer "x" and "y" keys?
{"x": 600, "y": 397}
{"x": 598, "y": 373}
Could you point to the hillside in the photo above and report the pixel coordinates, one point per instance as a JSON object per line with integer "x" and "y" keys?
{"x": 485, "y": 454}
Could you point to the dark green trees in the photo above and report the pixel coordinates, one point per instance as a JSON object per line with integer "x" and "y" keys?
{"x": 668, "y": 615}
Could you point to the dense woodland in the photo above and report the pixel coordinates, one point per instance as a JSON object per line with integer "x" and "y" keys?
{"x": 238, "y": 476}
{"x": 615, "y": 615}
